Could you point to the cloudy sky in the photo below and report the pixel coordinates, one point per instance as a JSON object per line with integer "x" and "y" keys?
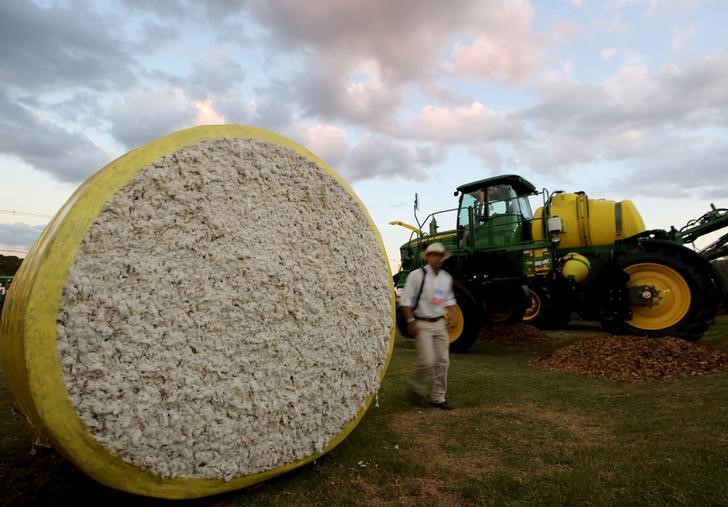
{"x": 624, "y": 99}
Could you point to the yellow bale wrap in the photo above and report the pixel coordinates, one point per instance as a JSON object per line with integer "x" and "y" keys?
{"x": 28, "y": 346}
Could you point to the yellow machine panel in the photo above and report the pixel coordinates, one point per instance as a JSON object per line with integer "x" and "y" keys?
{"x": 586, "y": 222}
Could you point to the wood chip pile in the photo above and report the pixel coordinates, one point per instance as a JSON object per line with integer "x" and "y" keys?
{"x": 635, "y": 359}
{"x": 512, "y": 335}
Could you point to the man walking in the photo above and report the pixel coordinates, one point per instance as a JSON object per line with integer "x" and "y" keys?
{"x": 427, "y": 294}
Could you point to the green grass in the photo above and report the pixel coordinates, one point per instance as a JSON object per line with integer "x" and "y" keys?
{"x": 519, "y": 436}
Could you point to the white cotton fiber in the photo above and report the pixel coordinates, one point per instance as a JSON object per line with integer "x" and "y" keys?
{"x": 228, "y": 313}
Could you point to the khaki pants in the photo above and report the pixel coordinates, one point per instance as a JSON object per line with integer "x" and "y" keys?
{"x": 433, "y": 359}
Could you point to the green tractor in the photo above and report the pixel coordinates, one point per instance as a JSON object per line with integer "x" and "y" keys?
{"x": 574, "y": 254}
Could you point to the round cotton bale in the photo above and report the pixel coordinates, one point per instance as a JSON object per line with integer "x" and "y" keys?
{"x": 206, "y": 312}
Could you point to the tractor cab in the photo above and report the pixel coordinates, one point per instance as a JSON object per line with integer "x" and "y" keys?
{"x": 494, "y": 212}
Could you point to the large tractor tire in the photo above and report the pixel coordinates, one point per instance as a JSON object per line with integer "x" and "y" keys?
{"x": 545, "y": 310}
{"x": 502, "y": 313}
{"x": 507, "y": 306}
{"x": 466, "y": 321}
{"x": 675, "y": 300}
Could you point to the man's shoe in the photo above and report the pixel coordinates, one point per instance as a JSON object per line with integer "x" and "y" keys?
{"x": 443, "y": 405}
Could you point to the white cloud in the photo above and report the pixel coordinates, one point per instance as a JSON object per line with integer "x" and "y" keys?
{"x": 608, "y": 54}
{"x": 364, "y": 88}
{"x": 656, "y": 8}
{"x": 565, "y": 32}
{"x": 207, "y": 114}
{"x": 66, "y": 155}
{"x": 638, "y": 95}
{"x": 374, "y": 88}
{"x": 406, "y": 38}
{"x": 372, "y": 156}
{"x": 681, "y": 34}
{"x": 145, "y": 114}
{"x": 57, "y": 47}
{"x": 340, "y": 90}
{"x": 214, "y": 73}
{"x": 653, "y": 120}
{"x": 650, "y": 5}
{"x": 378, "y": 155}
{"x": 395, "y": 45}
{"x": 682, "y": 167}
{"x": 635, "y": 88}
{"x": 509, "y": 61}
{"x": 18, "y": 237}
{"x": 473, "y": 123}
{"x": 328, "y": 142}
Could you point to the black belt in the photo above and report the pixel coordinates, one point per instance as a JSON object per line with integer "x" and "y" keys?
{"x": 430, "y": 319}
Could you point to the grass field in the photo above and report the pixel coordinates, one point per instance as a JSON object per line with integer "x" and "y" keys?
{"x": 519, "y": 436}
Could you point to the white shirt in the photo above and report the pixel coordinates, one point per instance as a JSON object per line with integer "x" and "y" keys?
{"x": 436, "y": 293}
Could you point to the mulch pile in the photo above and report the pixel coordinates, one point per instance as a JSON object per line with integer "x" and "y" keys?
{"x": 635, "y": 359}
{"x": 512, "y": 335}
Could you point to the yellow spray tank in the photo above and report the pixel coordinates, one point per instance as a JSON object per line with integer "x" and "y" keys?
{"x": 587, "y": 222}
{"x": 575, "y": 266}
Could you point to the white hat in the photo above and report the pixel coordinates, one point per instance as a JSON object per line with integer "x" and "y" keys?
{"x": 435, "y": 247}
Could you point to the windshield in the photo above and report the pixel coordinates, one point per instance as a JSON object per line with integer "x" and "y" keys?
{"x": 493, "y": 201}
{"x": 502, "y": 200}
{"x": 466, "y": 201}
{"x": 525, "y": 206}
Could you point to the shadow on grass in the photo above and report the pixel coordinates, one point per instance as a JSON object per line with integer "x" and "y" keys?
{"x": 39, "y": 476}
{"x": 42, "y": 477}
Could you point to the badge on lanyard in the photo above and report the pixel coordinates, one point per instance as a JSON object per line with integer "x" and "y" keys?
{"x": 439, "y": 297}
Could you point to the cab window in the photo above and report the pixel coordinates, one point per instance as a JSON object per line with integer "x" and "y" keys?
{"x": 466, "y": 201}
{"x": 502, "y": 200}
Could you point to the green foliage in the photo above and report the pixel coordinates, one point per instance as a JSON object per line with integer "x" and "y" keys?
{"x": 9, "y": 264}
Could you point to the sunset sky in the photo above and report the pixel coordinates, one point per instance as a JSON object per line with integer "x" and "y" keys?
{"x": 624, "y": 99}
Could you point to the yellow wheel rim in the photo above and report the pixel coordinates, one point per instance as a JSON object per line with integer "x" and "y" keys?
{"x": 535, "y": 309}
{"x": 457, "y": 321}
{"x": 672, "y": 299}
